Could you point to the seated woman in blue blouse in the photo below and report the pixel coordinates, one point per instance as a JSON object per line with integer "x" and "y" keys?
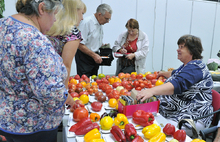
{"x": 187, "y": 92}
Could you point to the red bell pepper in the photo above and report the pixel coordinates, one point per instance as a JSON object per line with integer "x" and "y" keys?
{"x": 86, "y": 128}
{"x": 118, "y": 134}
{"x": 83, "y": 122}
{"x": 130, "y": 132}
{"x": 138, "y": 139}
{"x": 169, "y": 129}
{"x": 180, "y": 135}
{"x": 143, "y": 118}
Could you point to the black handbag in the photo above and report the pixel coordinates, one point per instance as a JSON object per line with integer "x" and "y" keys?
{"x": 106, "y": 54}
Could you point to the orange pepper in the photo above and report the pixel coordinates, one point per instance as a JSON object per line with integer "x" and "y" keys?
{"x": 111, "y": 80}
{"x": 94, "y": 117}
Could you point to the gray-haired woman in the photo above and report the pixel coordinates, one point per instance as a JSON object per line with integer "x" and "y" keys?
{"x": 32, "y": 90}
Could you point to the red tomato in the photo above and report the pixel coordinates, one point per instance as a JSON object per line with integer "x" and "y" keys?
{"x": 116, "y": 92}
{"x": 71, "y": 91}
{"x": 142, "y": 85}
{"x": 111, "y": 95}
{"x": 79, "y": 85}
{"x": 153, "y": 81}
{"x": 128, "y": 87}
{"x": 80, "y": 80}
{"x": 84, "y": 76}
{"x": 77, "y": 104}
{"x": 127, "y": 93}
{"x": 156, "y": 73}
{"x": 98, "y": 81}
{"x": 78, "y": 90}
{"x": 151, "y": 76}
{"x": 136, "y": 83}
{"x": 123, "y": 91}
{"x": 121, "y": 75}
{"x": 74, "y": 94}
{"x": 72, "y": 86}
{"x": 139, "y": 76}
{"x": 101, "y": 85}
{"x": 107, "y": 77}
{"x": 71, "y": 77}
{"x": 95, "y": 90}
{"x": 104, "y": 80}
{"x": 180, "y": 135}
{"x": 124, "y": 79}
{"x": 138, "y": 88}
{"x": 101, "y": 98}
{"x": 123, "y": 83}
{"x": 133, "y": 76}
{"x": 90, "y": 90}
{"x": 84, "y": 92}
{"x": 96, "y": 106}
{"x": 127, "y": 75}
{"x": 77, "y": 77}
{"x": 97, "y": 94}
{"x": 108, "y": 91}
{"x": 140, "y": 80}
{"x": 116, "y": 84}
{"x": 80, "y": 113}
{"x": 87, "y": 80}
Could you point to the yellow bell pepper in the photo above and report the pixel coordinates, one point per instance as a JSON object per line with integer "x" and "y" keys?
{"x": 106, "y": 123}
{"x": 197, "y": 140}
{"x": 93, "y": 134}
{"x": 159, "y": 137}
{"x": 97, "y": 140}
{"x": 151, "y": 130}
{"x": 121, "y": 120}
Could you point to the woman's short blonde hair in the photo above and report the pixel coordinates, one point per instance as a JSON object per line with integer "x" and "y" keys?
{"x": 66, "y": 19}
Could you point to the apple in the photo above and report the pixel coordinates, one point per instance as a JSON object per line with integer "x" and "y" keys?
{"x": 119, "y": 88}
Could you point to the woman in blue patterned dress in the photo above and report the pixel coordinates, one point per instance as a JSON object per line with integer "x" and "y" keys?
{"x": 32, "y": 89}
{"x": 64, "y": 34}
{"x": 187, "y": 92}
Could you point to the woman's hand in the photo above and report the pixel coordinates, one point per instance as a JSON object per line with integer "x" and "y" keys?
{"x": 130, "y": 56}
{"x": 144, "y": 94}
{"x": 123, "y": 51}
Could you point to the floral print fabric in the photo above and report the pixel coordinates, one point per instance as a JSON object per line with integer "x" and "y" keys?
{"x": 59, "y": 41}
{"x": 32, "y": 90}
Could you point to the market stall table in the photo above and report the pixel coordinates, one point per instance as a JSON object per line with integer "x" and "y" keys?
{"x": 106, "y": 135}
